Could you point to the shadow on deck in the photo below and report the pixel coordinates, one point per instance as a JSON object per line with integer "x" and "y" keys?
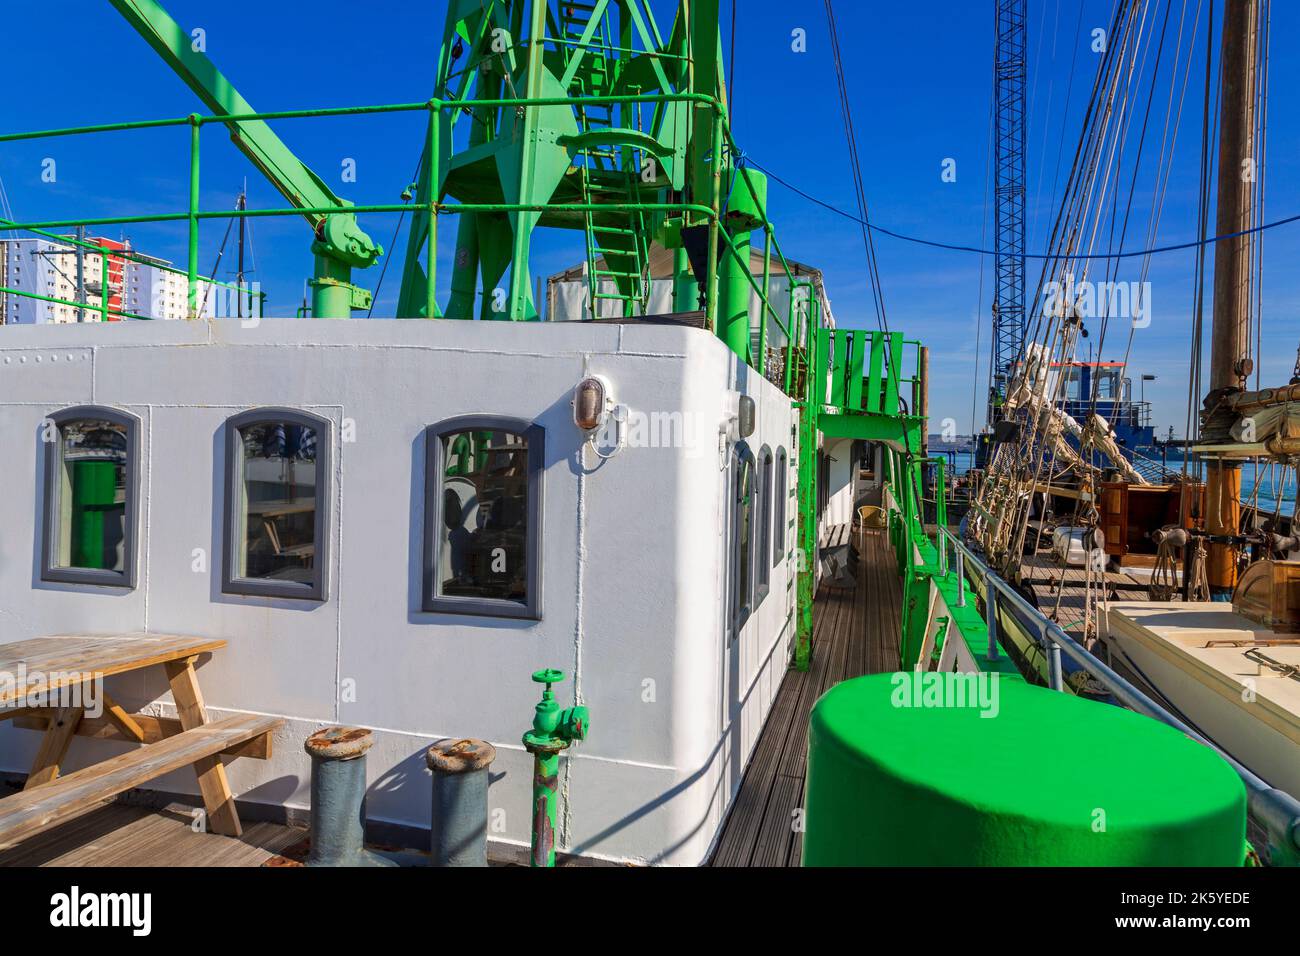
{"x": 855, "y": 632}
{"x": 123, "y": 835}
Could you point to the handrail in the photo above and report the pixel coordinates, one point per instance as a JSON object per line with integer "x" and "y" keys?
{"x": 203, "y": 120}
{"x": 193, "y": 215}
{"x": 1276, "y": 809}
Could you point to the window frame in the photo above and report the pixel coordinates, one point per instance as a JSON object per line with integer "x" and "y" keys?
{"x": 318, "y": 589}
{"x": 126, "y": 578}
{"x": 430, "y": 601}
{"x": 763, "y": 540}
{"x": 780, "y": 522}
{"x": 740, "y": 606}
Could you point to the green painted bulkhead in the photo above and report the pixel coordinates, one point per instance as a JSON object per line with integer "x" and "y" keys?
{"x": 903, "y": 772}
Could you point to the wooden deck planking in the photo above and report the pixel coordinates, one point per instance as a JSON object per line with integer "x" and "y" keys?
{"x": 1061, "y": 591}
{"x": 855, "y": 631}
{"x": 748, "y": 809}
{"x": 122, "y": 835}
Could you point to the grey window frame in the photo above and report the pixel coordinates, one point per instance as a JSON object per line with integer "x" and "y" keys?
{"x": 779, "y": 522}
{"x": 763, "y": 486}
{"x": 430, "y": 601}
{"x": 318, "y": 589}
{"x": 102, "y": 577}
{"x": 740, "y": 606}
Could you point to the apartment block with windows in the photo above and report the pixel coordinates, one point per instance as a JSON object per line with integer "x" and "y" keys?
{"x": 40, "y": 270}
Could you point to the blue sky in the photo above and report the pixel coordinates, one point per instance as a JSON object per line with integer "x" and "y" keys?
{"x": 919, "y": 75}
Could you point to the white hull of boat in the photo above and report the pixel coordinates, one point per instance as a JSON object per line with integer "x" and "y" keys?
{"x": 1194, "y": 655}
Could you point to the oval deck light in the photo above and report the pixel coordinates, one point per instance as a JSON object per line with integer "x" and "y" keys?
{"x": 590, "y": 403}
{"x": 748, "y": 414}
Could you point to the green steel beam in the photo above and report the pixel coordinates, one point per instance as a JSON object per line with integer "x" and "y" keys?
{"x": 338, "y": 237}
{"x": 875, "y": 373}
{"x": 895, "y": 372}
{"x": 808, "y": 517}
{"x": 857, "y": 362}
{"x": 897, "y": 431}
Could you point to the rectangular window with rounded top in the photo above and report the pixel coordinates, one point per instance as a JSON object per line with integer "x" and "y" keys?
{"x": 91, "y": 474}
{"x": 277, "y": 503}
{"x": 779, "y": 529}
{"x": 483, "y": 497}
{"x": 763, "y": 541}
{"x": 743, "y": 496}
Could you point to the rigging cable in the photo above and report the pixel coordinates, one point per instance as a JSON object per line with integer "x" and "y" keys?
{"x": 859, "y": 189}
{"x": 1261, "y": 114}
{"x": 1033, "y": 92}
{"x": 1209, "y": 132}
{"x": 1065, "y": 111}
{"x": 957, "y": 247}
{"x": 384, "y": 271}
{"x": 1166, "y": 159}
{"x": 215, "y": 266}
{"x": 731, "y": 71}
{"x": 979, "y": 300}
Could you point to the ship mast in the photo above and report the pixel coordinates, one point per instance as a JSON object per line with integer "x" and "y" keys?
{"x": 1230, "y": 336}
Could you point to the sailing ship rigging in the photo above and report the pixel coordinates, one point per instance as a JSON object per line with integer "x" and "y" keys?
{"x": 1117, "y": 523}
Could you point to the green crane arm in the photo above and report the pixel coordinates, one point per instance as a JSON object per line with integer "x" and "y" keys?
{"x": 339, "y": 238}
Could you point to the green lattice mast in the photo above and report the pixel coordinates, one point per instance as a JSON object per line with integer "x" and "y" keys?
{"x": 621, "y": 149}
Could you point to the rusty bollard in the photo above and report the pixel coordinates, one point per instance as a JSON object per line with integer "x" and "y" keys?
{"x": 338, "y": 798}
{"x": 460, "y": 801}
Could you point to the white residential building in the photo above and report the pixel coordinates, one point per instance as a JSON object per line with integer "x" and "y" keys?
{"x": 48, "y": 268}
{"x": 161, "y": 293}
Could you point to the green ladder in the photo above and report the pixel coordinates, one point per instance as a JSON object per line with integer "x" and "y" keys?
{"x": 617, "y": 244}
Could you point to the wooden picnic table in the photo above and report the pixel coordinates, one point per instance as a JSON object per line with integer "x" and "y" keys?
{"x": 271, "y": 511}
{"x": 38, "y": 691}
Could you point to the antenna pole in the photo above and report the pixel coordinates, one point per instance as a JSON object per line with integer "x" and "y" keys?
{"x": 241, "y": 204}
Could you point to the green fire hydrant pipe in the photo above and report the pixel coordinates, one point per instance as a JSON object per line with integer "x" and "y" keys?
{"x": 554, "y": 730}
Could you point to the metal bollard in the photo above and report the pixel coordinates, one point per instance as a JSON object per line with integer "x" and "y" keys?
{"x": 460, "y": 802}
{"x": 338, "y": 798}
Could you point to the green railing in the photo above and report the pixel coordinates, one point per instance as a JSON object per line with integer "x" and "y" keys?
{"x": 795, "y": 327}
{"x": 866, "y": 372}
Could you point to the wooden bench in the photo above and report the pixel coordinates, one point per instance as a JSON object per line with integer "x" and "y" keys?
{"x": 26, "y": 813}
{"x": 40, "y": 694}
{"x": 835, "y": 536}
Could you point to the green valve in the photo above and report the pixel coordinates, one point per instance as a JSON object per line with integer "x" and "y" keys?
{"x": 554, "y": 730}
